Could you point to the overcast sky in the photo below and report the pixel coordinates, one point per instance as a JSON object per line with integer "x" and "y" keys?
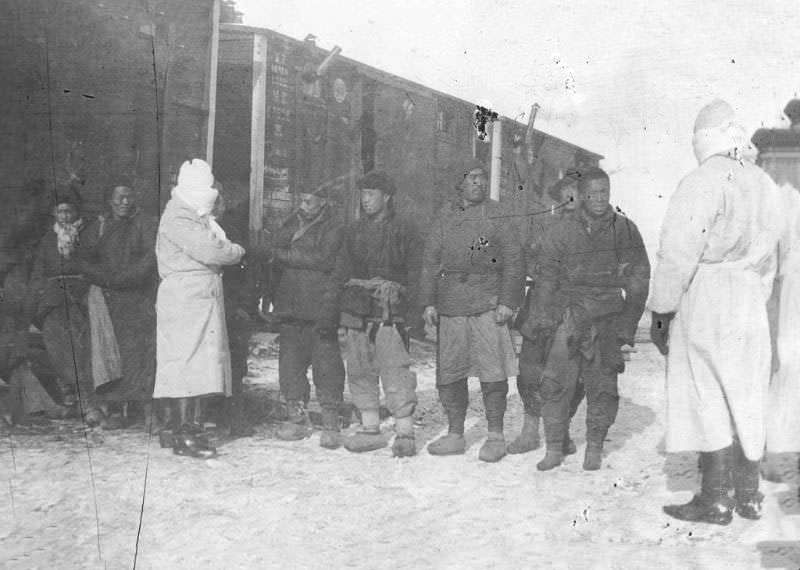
{"x": 623, "y": 78}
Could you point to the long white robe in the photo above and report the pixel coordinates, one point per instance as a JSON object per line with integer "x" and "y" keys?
{"x": 192, "y": 353}
{"x": 716, "y": 266}
{"x": 783, "y": 405}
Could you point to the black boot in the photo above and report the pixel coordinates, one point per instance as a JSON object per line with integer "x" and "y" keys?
{"x": 454, "y": 398}
{"x": 601, "y": 411}
{"x": 238, "y": 425}
{"x": 297, "y": 425}
{"x": 745, "y": 484}
{"x": 528, "y": 438}
{"x": 330, "y": 437}
{"x": 554, "y": 439}
{"x": 494, "y": 403}
{"x": 712, "y": 504}
{"x": 192, "y": 445}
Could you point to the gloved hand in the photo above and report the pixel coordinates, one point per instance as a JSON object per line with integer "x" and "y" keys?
{"x": 502, "y": 314}
{"x": 659, "y": 331}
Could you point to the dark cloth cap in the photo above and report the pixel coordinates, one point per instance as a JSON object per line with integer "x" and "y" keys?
{"x": 569, "y": 179}
{"x": 470, "y": 165}
{"x": 377, "y": 180}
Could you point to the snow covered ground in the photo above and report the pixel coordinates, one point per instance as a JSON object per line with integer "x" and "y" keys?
{"x": 104, "y": 500}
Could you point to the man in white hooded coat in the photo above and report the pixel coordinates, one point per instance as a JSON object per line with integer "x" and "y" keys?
{"x": 192, "y": 353}
{"x": 716, "y": 264}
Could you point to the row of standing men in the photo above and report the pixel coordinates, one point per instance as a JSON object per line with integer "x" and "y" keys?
{"x": 92, "y": 290}
{"x": 374, "y": 277}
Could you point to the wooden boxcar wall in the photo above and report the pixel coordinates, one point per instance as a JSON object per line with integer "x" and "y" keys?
{"x": 328, "y": 131}
{"x": 113, "y": 91}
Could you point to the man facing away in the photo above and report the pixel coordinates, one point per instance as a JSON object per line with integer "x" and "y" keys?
{"x": 716, "y": 264}
{"x": 380, "y": 261}
{"x": 471, "y": 283}
{"x": 587, "y": 262}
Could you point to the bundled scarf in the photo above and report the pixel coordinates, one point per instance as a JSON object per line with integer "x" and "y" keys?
{"x": 194, "y": 187}
{"x": 67, "y": 236}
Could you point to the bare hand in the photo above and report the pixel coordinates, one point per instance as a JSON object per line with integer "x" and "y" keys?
{"x": 430, "y": 316}
{"x": 502, "y": 314}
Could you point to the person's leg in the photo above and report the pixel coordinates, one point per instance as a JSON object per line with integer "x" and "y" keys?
{"x": 528, "y": 384}
{"x": 577, "y": 398}
{"x": 399, "y": 385}
{"x": 328, "y": 371}
{"x": 602, "y": 404}
{"x": 492, "y": 354}
{"x": 362, "y": 379}
{"x": 713, "y": 504}
{"x": 454, "y": 397}
{"x": 294, "y": 357}
{"x": 557, "y": 388}
{"x": 188, "y": 440}
{"x": 452, "y": 370}
{"x": 239, "y": 341}
{"x": 494, "y": 403}
{"x": 745, "y": 484}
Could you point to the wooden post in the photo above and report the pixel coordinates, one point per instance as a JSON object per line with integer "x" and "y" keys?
{"x": 212, "y": 87}
{"x": 497, "y": 159}
{"x": 257, "y": 135}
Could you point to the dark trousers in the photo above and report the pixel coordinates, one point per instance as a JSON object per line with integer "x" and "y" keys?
{"x": 560, "y": 394}
{"x": 455, "y": 399}
{"x": 239, "y": 332}
{"x": 301, "y": 346}
{"x": 532, "y": 360}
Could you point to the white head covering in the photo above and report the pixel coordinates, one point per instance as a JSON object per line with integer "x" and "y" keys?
{"x": 716, "y": 131}
{"x": 194, "y": 186}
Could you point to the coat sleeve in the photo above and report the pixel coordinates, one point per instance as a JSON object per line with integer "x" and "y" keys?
{"x": 329, "y": 313}
{"x": 684, "y": 235}
{"x": 320, "y": 256}
{"x": 636, "y": 282}
{"x": 513, "y": 270}
{"x": 544, "y": 310}
{"x": 200, "y": 243}
{"x": 431, "y": 265}
{"x": 144, "y": 269}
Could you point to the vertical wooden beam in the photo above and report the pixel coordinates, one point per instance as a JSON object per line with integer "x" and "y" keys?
{"x": 497, "y": 159}
{"x": 257, "y": 135}
{"x": 212, "y": 84}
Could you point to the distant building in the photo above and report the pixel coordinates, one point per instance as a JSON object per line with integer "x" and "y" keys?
{"x": 779, "y": 149}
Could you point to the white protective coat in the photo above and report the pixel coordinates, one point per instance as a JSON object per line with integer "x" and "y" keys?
{"x": 783, "y": 409}
{"x": 192, "y": 353}
{"x": 716, "y": 265}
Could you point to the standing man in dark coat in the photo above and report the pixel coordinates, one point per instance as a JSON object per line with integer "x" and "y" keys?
{"x": 380, "y": 261}
{"x": 242, "y": 292}
{"x": 122, "y": 261}
{"x": 566, "y": 202}
{"x": 307, "y": 302}
{"x": 587, "y": 261}
{"x": 471, "y": 283}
